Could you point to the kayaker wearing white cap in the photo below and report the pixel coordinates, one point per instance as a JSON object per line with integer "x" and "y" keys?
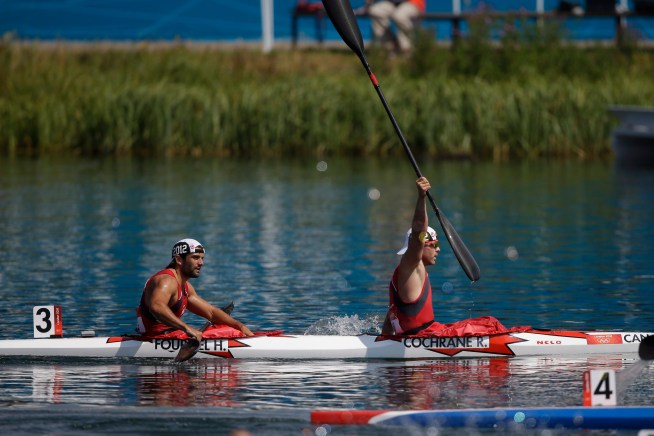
{"x": 168, "y": 293}
{"x": 410, "y": 309}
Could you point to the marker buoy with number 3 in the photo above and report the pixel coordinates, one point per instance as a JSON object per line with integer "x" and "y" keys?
{"x": 47, "y": 322}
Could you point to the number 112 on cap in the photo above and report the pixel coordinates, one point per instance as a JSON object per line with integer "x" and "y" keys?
{"x": 47, "y": 322}
{"x": 600, "y": 388}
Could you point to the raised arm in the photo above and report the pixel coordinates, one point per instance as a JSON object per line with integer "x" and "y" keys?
{"x": 411, "y": 270}
{"x": 419, "y": 224}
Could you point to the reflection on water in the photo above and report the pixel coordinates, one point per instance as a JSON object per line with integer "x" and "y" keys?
{"x": 432, "y": 384}
{"x": 166, "y": 385}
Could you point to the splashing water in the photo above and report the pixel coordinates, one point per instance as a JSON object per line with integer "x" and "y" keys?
{"x": 346, "y": 326}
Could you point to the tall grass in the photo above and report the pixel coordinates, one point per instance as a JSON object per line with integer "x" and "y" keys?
{"x": 477, "y": 100}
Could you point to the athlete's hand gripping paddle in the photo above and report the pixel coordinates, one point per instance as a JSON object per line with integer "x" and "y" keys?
{"x": 192, "y": 345}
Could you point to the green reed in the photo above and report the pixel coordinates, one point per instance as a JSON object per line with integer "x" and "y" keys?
{"x": 145, "y": 100}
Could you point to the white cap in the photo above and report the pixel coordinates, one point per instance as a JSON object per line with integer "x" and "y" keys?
{"x": 187, "y": 246}
{"x": 431, "y": 233}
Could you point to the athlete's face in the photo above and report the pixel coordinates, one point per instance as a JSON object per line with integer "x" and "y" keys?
{"x": 192, "y": 264}
{"x": 430, "y": 252}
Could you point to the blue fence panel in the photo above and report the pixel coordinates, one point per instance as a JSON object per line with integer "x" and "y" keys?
{"x": 233, "y": 20}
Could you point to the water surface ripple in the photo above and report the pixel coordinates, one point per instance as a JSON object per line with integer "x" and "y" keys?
{"x": 305, "y": 247}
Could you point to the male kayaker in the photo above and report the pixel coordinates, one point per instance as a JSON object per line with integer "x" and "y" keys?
{"x": 410, "y": 309}
{"x": 168, "y": 293}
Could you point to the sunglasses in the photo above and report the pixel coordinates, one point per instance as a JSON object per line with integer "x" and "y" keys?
{"x": 432, "y": 244}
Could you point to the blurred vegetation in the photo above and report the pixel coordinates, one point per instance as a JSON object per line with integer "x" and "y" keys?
{"x": 524, "y": 93}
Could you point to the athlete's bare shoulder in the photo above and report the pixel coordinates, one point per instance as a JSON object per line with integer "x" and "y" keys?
{"x": 162, "y": 282}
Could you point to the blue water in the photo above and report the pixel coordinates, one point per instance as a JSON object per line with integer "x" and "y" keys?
{"x": 305, "y": 246}
{"x": 228, "y": 20}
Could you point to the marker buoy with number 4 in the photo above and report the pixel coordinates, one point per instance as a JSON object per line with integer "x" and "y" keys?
{"x": 600, "y": 387}
{"x": 47, "y": 322}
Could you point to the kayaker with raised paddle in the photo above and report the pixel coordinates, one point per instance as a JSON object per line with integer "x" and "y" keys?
{"x": 410, "y": 309}
{"x": 168, "y": 293}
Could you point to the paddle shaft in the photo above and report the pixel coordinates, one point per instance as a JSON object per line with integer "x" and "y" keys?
{"x": 396, "y": 126}
{"x": 342, "y": 16}
{"x": 460, "y": 250}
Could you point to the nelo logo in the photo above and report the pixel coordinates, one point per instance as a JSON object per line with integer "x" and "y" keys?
{"x": 549, "y": 342}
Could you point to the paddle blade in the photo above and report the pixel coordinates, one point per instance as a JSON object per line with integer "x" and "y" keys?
{"x": 192, "y": 345}
{"x": 646, "y": 348}
{"x": 188, "y": 350}
{"x": 228, "y": 309}
{"x": 342, "y": 16}
{"x": 460, "y": 250}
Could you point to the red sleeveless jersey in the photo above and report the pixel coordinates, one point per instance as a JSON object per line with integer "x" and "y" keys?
{"x": 147, "y": 323}
{"x": 415, "y": 315}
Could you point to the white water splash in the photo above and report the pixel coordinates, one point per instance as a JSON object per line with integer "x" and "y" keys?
{"x": 627, "y": 376}
{"x": 346, "y": 326}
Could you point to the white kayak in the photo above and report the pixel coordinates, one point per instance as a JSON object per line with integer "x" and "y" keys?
{"x": 529, "y": 343}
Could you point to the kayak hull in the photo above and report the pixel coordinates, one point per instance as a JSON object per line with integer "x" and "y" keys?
{"x": 530, "y": 343}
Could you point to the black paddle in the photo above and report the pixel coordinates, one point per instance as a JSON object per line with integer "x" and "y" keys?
{"x": 342, "y": 16}
{"x": 189, "y": 349}
{"x": 192, "y": 345}
{"x": 646, "y": 348}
